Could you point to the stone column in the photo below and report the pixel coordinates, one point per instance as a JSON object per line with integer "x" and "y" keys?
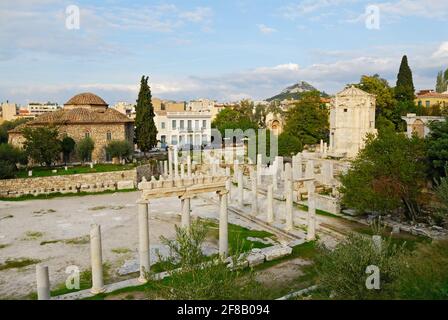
{"x": 43, "y": 282}
{"x": 321, "y": 147}
{"x": 96, "y": 259}
{"x": 170, "y": 162}
{"x": 143, "y": 240}
{"x": 241, "y": 189}
{"x": 289, "y": 198}
{"x": 176, "y": 162}
{"x": 235, "y": 170}
{"x": 275, "y": 180}
{"x": 377, "y": 243}
{"x": 311, "y": 230}
{"x": 223, "y": 226}
{"x": 165, "y": 168}
{"x": 254, "y": 193}
{"x": 189, "y": 166}
{"x": 228, "y": 184}
{"x": 270, "y": 203}
{"x": 185, "y": 220}
{"x": 182, "y": 170}
{"x": 309, "y": 170}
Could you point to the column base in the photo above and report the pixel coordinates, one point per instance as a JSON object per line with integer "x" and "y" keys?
{"x": 98, "y": 290}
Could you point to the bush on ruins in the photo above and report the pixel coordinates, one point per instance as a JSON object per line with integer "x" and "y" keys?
{"x": 288, "y": 144}
{"x": 84, "y": 149}
{"x": 119, "y": 149}
{"x": 9, "y": 157}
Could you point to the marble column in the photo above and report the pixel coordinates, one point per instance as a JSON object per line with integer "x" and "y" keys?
{"x": 275, "y": 180}
{"x": 270, "y": 203}
{"x": 254, "y": 190}
{"x": 241, "y": 189}
{"x": 311, "y": 230}
{"x": 96, "y": 258}
{"x": 170, "y": 162}
{"x": 176, "y": 162}
{"x": 182, "y": 170}
{"x": 309, "y": 169}
{"x": 43, "y": 282}
{"x": 235, "y": 170}
{"x": 228, "y": 184}
{"x": 223, "y": 226}
{"x": 289, "y": 198}
{"x": 165, "y": 168}
{"x": 321, "y": 147}
{"x": 143, "y": 240}
{"x": 186, "y": 208}
{"x": 189, "y": 166}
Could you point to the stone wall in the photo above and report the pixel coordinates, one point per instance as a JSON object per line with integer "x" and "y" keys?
{"x": 87, "y": 182}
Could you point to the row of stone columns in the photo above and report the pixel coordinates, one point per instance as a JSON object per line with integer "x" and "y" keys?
{"x": 171, "y": 167}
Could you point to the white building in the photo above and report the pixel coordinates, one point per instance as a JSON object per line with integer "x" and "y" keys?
{"x": 201, "y": 105}
{"x": 352, "y": 117}
{"x": 36, "y": 109}
{"x": 125, "y": 108}
{"x": 183, "y": 128}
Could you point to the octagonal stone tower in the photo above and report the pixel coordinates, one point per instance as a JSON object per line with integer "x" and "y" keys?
{"x": 352, "y": 117}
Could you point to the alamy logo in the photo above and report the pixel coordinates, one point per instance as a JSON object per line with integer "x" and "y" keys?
{"x": 72, "y": 281}
{"x": 72, "y": 20}
{"x": 372, "y": 20}
{"x": 373, "y": 280}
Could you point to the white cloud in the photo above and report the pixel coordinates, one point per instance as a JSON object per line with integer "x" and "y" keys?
{"x": 265, "y": 29}
{"x": 442, "y": 51}
{"x": 417, "y": 8}
{"x": 305, "y": 7}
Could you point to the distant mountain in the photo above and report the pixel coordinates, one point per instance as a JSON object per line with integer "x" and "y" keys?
{"x": 295, "y": 91}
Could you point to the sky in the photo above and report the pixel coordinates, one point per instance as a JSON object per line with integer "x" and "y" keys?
{"x": 223, "y": 50}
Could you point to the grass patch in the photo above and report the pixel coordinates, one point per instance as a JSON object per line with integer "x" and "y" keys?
{"x": 75, "y": 241}
{"x": 121, "y": 250}
{"x": 47, "y": 172}
{"x": 238, "y": 236}
{"x": 18, "y": 263}
{"x": 33, "y": 235}
{"x": 60, "y": 195}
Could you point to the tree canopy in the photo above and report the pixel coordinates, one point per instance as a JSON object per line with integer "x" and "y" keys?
{"x": 145, "y": 128}
{"x": 233, "y": 119}
{"x": 308, "y": 119}
{"x": 387, "y": 175}
{"x": 67, "y": 147}
{"x": 288, "y": 145}
{"x": 84, "y": 149}
{"x": 119, "y": 149}
{"x": 404, "y": 90}
{"x": 437, "y": 143}
{"x": 42, "y": 144}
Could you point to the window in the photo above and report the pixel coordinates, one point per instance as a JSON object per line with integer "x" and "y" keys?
{"x": 204, "y": 124}
{"x": 196, "y": 124}
{"x": 87, "y": 134}
{"x": 189, "y": 124}
{"x": 162, "y": 124}
{"x": 162, "y": 106}
{"x": 109, "y": 136}
{"x": 173, "y": 124}
{"x": 181, "y": 124}
{"x": 428, "y": 103}
{"x": 420, "y": 103}
{"x": 345, "y": 110}
{"x": 174, "y": 140}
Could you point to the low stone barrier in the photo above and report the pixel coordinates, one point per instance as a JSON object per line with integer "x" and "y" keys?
{"x": 87, "y": 182}
{"x": 328, "y": 204}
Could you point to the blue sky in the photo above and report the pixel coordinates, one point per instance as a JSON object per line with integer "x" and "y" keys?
{"x": 225, "y": 50}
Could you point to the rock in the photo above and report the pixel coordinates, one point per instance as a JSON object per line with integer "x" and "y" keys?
{"x": 276, "y": 252}
{"x": 122, "y": 185}
{"x": 255, "y": 259}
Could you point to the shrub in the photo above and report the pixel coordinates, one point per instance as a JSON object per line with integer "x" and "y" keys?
{"x": 342, "y": 272}
{"x": 42, "y": 144}
{"x": 201, "y": 277}
{"x": 67, "y": 146}
{"x": 84, "y": 149}
{"x": 288, "y": 144}
{"x": 119, "y": 149}
{"x": 9, "y": 157}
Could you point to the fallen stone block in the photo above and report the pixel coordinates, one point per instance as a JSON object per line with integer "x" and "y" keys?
{"x": 255, "y": 259}
{"x": 276, "y": 252}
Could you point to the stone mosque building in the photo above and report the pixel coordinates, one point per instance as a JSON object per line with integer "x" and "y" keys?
{"x": 84, "y": 115}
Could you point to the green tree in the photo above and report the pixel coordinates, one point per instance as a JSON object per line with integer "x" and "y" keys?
{"x": 308, "y": 119}
{"x": 233, "y": 119}
{"x": 84, "y": 149}
{"x": 288, "y": 144}
{"x": 437, "y": 143}
{"x": 9, "y": 158}
{"x": 404, "y": 90}
{"x": 145, "y": 128}
{"x": 442, "y": 81}
{"x": 386, "y": 104}
{"x": 387, "y": 176}
{"x": 42, "y": 144}
{"x": 260, "y": 114}
{"x": 9, "y": 125}
{"x": 119, "y": 149}
{"x": 67, "y": 147}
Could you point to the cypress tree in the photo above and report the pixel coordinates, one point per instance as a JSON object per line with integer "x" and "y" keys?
{"x": 439, "y": 83}
{"x": 404, "y": 91}
{"x": 145, "y": 128}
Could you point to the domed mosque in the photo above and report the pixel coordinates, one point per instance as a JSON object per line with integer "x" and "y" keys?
{"x": 84, "y": 115}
